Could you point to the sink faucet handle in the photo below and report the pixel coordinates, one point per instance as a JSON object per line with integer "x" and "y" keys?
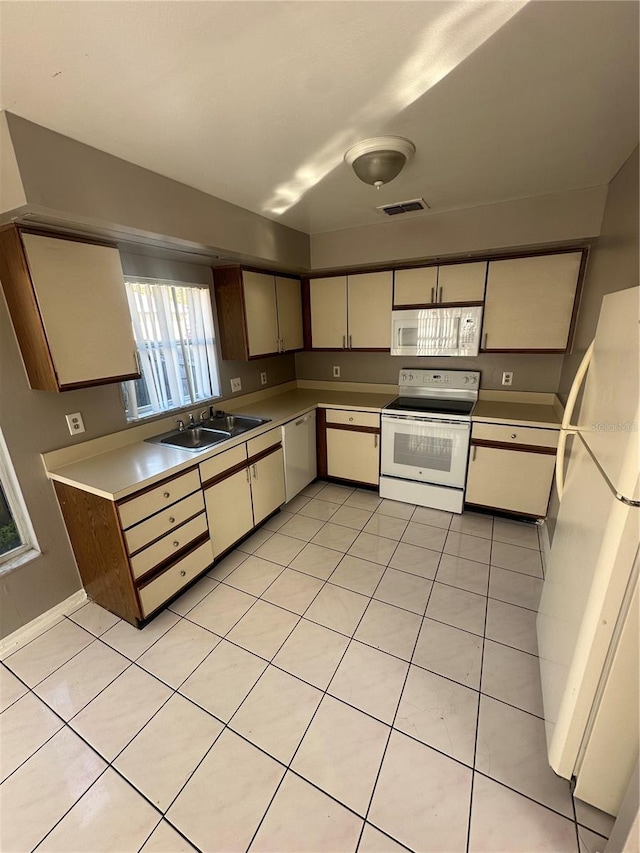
{"x": 203, "y": 415}
{"x": 180, "y": 423}
{"x": 191, "y": 421}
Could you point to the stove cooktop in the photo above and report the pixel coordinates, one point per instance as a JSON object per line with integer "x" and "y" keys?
{"x": 431, "y": 405}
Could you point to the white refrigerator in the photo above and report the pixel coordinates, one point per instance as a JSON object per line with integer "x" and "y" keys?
{"x": 588, "y": 619}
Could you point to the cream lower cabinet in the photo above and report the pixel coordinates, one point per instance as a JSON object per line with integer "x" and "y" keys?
{"x": 352, "y": 441}
{"x": 135, "y": 554}
{"x": 507, "y": 475}
{"x": 351, "y": 312}
{"x": 242, "y": 486}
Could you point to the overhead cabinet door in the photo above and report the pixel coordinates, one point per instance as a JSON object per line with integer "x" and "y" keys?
{"x": 369, "y": 310}
{"x": 81, "y": 300}
{"x": 529, "y": 302}
{"x": 289, "y": 303}
{"x": 463, "y": 283}
{"x": 261, "y": 312}
{"x": 329, "y": 312}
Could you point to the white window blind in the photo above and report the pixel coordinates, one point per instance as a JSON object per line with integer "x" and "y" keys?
{"x": 174, "y": 333}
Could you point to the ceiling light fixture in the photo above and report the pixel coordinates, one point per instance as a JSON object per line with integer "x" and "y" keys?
{"x": 381, "y": 159}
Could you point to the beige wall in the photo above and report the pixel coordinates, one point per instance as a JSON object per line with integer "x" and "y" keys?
{"x": 613, "y": 265}
{"x": 33, "y": 422}
{"x": 543, "y": 220}
{"x": 530, "y": 372}
{"x": 76, "y": 183}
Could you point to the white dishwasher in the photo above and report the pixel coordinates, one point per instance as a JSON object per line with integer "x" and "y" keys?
{"x": 300, "y": 461}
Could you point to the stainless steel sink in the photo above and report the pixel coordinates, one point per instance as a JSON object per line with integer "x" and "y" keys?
{"x": 235, "y": 424}
{"x": 192, "y": 438}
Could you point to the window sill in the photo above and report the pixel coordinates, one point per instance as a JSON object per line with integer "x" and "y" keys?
{"x": 19, "y": 560}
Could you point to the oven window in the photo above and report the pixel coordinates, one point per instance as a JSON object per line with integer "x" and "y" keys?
{"x": 423, "y": 451}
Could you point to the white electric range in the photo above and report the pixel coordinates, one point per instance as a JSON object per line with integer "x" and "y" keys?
{"x": 425, "y": 440}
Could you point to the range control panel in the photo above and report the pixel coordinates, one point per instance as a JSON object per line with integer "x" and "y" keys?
{"x": 411, "y": 377}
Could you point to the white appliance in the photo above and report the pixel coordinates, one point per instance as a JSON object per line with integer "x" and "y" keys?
{"x": 300, "y": 460}
{"x": 436, "y": 331}
{"x": 425, "y": 438}
{"x": 588, "y": 618}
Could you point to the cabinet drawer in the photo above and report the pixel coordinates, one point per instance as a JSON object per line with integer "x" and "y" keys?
{"x": 156, "y": 592}
{"x": 136, "y": 509}
{"x": 163, "y": 549}
{"x": 351, "y": 418}
{"x": 264, "y": 441}
{"x": 162, "y": 522}
{"x": 510, "y": 434}
{"x": 222, "y": 462}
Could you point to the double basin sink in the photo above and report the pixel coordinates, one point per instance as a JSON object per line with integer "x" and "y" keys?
{"x": 199, "y": 436}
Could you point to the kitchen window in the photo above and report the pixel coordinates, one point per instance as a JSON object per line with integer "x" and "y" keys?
{"x": 17, "y": 538}
{"x": 175, "y": 339}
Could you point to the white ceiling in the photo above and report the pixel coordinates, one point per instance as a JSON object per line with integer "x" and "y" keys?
{"x": 256, "y": 102}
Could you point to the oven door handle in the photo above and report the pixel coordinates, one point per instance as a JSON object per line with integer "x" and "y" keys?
{"x": 423, "y": 420}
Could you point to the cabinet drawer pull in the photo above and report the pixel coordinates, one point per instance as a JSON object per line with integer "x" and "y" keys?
{"x": 166, "y": 494}
{"x": 182, "y": 573}
{"x": 175, "y": 543}
{"x": 351, "y": 419}
{"x": 172, "y": 520}
{"x": 514, "y": 435}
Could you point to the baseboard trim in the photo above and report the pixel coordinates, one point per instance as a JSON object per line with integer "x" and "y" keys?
{"x": 545, "y": 545}
{"x": 23, "y": 635}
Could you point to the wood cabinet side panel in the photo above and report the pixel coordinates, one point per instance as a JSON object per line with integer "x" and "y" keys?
{"x": 25, "y": 314}
{"x": 227, "y": 287}
{"x": 99, "y": 549}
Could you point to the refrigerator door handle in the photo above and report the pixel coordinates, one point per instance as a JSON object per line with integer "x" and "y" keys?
{"x": 566, "y": 428}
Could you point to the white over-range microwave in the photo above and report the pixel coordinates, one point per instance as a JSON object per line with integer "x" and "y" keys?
{"x": 436, "y": 331}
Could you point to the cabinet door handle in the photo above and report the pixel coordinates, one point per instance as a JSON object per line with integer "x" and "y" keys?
{"x": 375, "y": 440}
{"x": 344, "y": 342}
{"x": 248, "y": 476}
{"x": 473, "y": 454}
{"x": 281, "y": 344}
{"x": 486, "y": 338}
{"x": 440, "y": 296}
{"x": 350, "y": 343}
{"x": 432, "y": 296}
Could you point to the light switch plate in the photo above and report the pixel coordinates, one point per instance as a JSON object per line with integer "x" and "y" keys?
{"x": 236, "y": 385}
{"x": 336, "y": 371}
{"x": 75, "y": 423}
{"x": 263, "y": 378}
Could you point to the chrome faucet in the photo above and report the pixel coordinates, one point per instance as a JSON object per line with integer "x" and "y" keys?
{"x": 192, "y": 423}
{"x": 203, "y": 416}
{"x": 181, "y": 425}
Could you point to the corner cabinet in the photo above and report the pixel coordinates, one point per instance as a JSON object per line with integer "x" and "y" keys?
{"x": 59, "y": 292}
{"x": 511, "y": 468}
{"x": 351, "y": 312}
{"x": 530, "y": 303}
{"x": 349, "y": 445}
{"x": 259, "y": 314}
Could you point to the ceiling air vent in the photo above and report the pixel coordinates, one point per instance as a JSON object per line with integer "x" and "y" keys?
{"x": 411, "y": 206}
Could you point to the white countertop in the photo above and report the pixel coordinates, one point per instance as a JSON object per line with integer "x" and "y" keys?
{"x": 120, "y": 471}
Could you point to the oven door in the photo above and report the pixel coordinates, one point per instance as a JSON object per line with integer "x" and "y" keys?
{"x": 423, "y": 449}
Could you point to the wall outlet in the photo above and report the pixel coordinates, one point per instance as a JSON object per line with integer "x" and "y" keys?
{"x": 263, "y": 378}
{"x": 336, "y": 371}
{"x": 507, "y": 378}
{"x": 236, "y": 385}
{"x": 75, "y": 423}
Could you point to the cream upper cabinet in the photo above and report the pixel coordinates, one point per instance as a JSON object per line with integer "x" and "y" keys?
{"x": 369, "y": 310}
{"x": 289, "y": 308}
{"x": 462, "y": 282}
{"x": 259, "y": 313}
{"x": 415, "y": 286}
{"x": 457, "y": 283}
{"x": 351, "y": 312}
{"x": 69, "y": 308}
{"x": 529, "y": 302}
{"x": 328, "y": 298}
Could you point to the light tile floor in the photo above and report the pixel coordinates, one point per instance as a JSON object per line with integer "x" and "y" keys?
{"x": 357, "y": 675}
